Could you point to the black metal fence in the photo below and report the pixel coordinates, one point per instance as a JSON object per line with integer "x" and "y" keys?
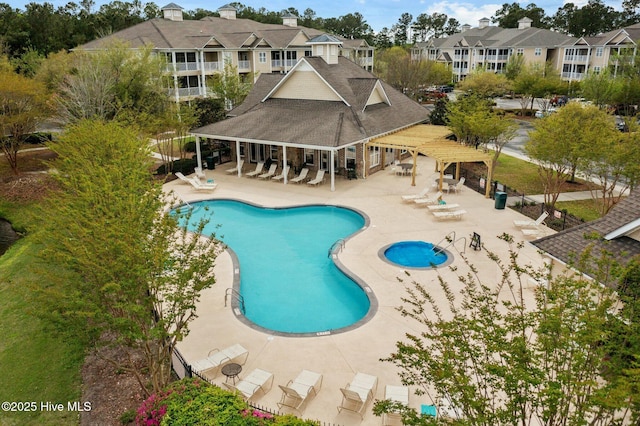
{"x": 183, "y": 369}
{"x": 558, "y": 219}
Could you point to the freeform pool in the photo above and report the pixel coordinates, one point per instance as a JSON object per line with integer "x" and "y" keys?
{"x": 416, "y": 254}
{"x": 288, "y": 281}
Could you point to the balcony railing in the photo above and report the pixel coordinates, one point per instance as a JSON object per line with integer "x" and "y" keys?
{"x": 576, "y": 58}
{"x": 573, "y": 75}
{"x": 188, "y": 91}
{"x": 187, "y": 66}
{"x": 276, "y": 63}
{"x": 461, "y": 70}
{"x": 244, "y": 65}
{"x": 212, "y": 66}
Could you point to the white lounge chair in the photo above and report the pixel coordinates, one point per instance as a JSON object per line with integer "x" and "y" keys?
{"x": 270, "y": 173}
{"x": 531, "y": 223}
{"x": 456, "y": 214}
{"x": 302, "y": 176}
{"x": 281, "y": 176}
{"x": 257, "y": 170}
{"x": 216, "y": 358}
{"x": 457, "y": 187}
{"x": 203, "y": 186}
{"x": 299, "y": 390}
{"x": 200, "y": 173}
{"x": 318, "y": 179}
{"x": 427, "y": 200}
{"x": 183, "y": 178}
{"x": 531, "y": 232}
{"x": 442, "y": 207}
{"x": 396, "y": 394}
{"x": 256, "y": 381}
{"x": 412, "y": 197}
{"x": 357, "y": 394}
{"x": 237, "y": 168}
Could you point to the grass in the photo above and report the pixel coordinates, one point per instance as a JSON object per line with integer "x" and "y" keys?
{"x": 584, "y": 209}
{"x": 35, "y": 365}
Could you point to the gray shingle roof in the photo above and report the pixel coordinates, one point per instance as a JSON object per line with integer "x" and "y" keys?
{"x": 568, "y": 244}
{"x": 167, "y": 34}
{"x": 319, "y": 123}
{"x": 492, "y": 36}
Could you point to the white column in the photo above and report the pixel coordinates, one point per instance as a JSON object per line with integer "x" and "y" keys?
{"x": 284, "y": 161}
{"x": 333, "y": 171}
{"x": 203, "y": 84}
{"x": 175, "y": 76}
{"x": 198, "y": 152}
{"x": 238, "y": 158}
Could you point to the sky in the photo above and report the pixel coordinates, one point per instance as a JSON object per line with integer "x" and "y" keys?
{"x": 377, "y": 13}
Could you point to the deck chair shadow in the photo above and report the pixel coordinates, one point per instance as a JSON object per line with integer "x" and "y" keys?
{"x": 281, "y": 176}
{"x": 299, "y": 390}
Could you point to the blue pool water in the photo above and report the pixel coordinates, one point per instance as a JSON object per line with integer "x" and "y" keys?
{"x": 415, "y": 254}
{"x": 288, "y": 281}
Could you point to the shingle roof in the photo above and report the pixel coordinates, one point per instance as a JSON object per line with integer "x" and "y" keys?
{"x": 187, "y": 34}
{"x": 568, "y": 244}
{"x": 319, "y": 123}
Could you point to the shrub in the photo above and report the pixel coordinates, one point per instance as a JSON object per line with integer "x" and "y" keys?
{"x": 195, "y": 402}
{"x": 184, "y": 165}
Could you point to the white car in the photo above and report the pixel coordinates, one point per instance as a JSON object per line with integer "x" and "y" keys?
{"x": 540, "y": 113}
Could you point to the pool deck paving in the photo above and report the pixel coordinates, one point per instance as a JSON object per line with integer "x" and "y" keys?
{"x": 340, "y": 356}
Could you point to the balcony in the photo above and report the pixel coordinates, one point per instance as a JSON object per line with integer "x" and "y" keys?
{"x": 188, "y": 91}
{"x": 212, "y": 66}
{"x": 572, "y": 75}
{"x": 187, "y": 66}
{"x": 464, "y": 70}
{"x": 276, "y": 63}
{"x": 461, "y": 57}
{"x": 244, "y": 65}
{"x": 576, "y": 58}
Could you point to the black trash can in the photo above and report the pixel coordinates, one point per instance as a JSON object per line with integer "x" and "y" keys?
{"x": 501, "y": 200}
{"x": 211, "y": 164}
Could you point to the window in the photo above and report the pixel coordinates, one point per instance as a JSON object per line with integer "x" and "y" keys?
{"x": 538, "y": 51}
{"x": 309, "y": 156}
{"x": 262, "y": 57}
{"x": 519, "y": 51}
{"x": 598, "y": 51}
{"x": 374, "y": 156}
{"x": 308, "y": 53}
{"x": 274, "y": 152}
{"x": 596, "y": 70}
{"x": 350, "y": 157}
{"x": 320, "y": 50}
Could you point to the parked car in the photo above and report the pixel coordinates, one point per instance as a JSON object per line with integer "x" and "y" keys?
{"x": 445, "y": 89}
{"x": 541, "y": 113}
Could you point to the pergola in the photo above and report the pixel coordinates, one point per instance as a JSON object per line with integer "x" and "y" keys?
{"x": 432, "y": 141}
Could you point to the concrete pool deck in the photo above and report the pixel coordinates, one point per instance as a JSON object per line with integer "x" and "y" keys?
{"x": 340, "y": 356}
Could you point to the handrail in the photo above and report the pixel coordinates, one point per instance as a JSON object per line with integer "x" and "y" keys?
{"x": 232, "y": 292}
{"x": 340, "y": 243}
{"x": 452, "y": 243}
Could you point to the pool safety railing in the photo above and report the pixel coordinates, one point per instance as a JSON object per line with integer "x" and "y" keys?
{"x": 337, "y": 247}
{"x": 231, "y": 293}
{"x": 450, "y": 238}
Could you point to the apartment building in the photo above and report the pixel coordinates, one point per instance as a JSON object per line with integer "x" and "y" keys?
{"x": 196, "y": 50}
{"x": 490, "y": 47}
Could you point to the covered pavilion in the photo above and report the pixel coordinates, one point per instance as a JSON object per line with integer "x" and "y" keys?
{"x": 433, "y": 141}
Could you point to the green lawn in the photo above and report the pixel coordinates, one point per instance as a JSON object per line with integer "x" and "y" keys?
{"x": 584, "y": 209}
{"x": 35, "y": 365}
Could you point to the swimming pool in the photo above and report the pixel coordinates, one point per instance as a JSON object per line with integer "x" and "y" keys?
{"x": 288, "y": 281}
{"x": 416, "y": 255}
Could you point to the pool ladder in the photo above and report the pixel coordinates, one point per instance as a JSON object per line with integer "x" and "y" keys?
{"x": 337, "y": 246}
{"x": 451, "y": 239}
{"x": 230, "y": 292}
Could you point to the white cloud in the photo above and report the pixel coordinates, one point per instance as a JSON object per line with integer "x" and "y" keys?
{"x": 465, "y": 13}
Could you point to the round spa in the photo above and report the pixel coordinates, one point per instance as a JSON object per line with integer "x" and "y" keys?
{"x": 416, "y": 255}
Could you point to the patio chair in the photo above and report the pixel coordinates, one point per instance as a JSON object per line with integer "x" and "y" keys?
{"x": 457, "y": 187}
{"x": 442, "y": 207}
{"x": 298, "y": 391}
{"x": 281, "y": 176}
{"x": 531, "y": 223}
{"x": 318, "y": 179}
{"x": 203, "y": 186}
{"x": 237, "y": 168}
{"x": 183, "y": 178}
{"x": 302, "y": 176}
{"x": 256, "y": 381}
{"x": 357, "y": 394}
{"x": 270, "y": 173}
{"x": 257, "y": 170}
{"x": 456, "y": 214}
{"x": 427, "y": 200}
{"x": 200, "y": 173}
{"x": 411, "y": 197}
{"x": 216, "y": 358}
{"x": 396, "y": 394}
{"x": 531, "y": 232}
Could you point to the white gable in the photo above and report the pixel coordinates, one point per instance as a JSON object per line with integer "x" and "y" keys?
{"x": 378, "y": 95}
